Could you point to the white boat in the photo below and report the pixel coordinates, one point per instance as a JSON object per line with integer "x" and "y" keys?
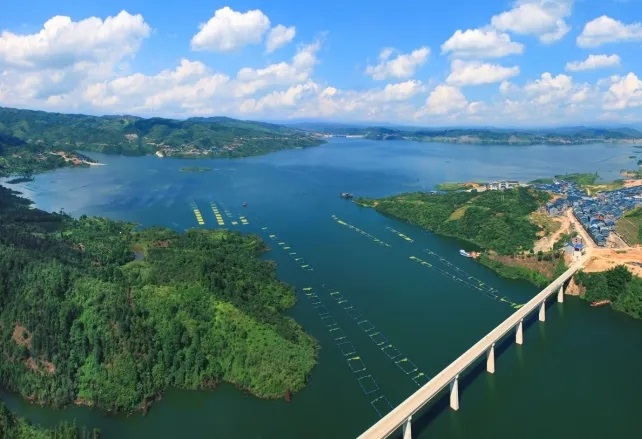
{"x": 465, "y": 253}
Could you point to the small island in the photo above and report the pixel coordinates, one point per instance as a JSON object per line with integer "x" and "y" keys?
{"x": 196, "y": 169}
{"x": 94, "y": 313}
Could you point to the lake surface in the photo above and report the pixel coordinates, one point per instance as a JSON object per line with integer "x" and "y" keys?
{"x": 577, "y": 374}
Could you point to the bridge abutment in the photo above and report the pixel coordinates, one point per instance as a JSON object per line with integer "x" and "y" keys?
{"x": 454, "y": 393}
{"x": 490, "y": 359}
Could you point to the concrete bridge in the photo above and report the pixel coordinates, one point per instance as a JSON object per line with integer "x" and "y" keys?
{"x": 401, "y": 416}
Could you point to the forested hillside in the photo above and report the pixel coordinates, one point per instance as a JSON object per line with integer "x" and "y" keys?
{"x": 130, "y": 135}
{"x": 617, "y": 285}
{"x": 493, "y": 220}
{"x": 94, "y": 313}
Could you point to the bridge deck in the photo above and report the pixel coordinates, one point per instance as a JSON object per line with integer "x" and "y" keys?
{"x": 395, "y": 419}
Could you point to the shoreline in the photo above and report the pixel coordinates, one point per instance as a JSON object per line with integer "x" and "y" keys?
{"x": 517, "y": 246}
{"x": 306, "y": 347}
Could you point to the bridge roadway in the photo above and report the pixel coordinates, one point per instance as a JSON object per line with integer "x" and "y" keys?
{"x": 401, "y": 415}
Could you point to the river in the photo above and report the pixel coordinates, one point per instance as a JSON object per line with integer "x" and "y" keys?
{"x": 576, "y": 375}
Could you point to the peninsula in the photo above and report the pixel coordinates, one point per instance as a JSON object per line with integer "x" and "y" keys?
{"x": 36, "y": 141}
{"x": 532, "y": 231}
{"x": 95, "y": 313}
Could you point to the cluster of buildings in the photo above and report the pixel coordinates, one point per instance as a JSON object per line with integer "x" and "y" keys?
{"x": 501, "y": 185}
{"x": 596, "y": 214}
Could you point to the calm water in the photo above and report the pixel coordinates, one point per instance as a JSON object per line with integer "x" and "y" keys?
{"x": 577, "y": 375}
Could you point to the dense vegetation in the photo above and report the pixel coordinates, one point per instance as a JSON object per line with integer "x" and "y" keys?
{"x": 556, "y": 136}
{"x": 581, "y": 179}
{"x": 38, "y": 132}
{"x": 617, "y": 285}
{"x": 493, "y": 220}
{"x": 13, "y": 427}
{"x": 86, "y": 320}
{"x": 18, "y": 157}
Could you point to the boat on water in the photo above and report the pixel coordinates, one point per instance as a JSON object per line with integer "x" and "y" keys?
{"x": 346, "y": 195}
{"x": 600, "y": 302}
{"x": 244, "y": 204}
{"x": 465, "y": 253}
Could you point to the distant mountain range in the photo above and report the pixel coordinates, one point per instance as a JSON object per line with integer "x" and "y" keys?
{"x": 132, "y": 135}
{"x": 526, "y": 136}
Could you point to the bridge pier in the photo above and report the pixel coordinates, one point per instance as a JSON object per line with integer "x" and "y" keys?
{"x": 560, "y": 294}
{"x": 490, "y": 359}
{"x": 519, "y": 339}
{"x": 407, "y": 429}
{"x": 454, "y": 393}
{"x": 542, "y": 311}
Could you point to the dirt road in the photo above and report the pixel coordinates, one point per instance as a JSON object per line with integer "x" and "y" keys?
{"x": 577, "y": 226}
{"x": 546, "y": 243}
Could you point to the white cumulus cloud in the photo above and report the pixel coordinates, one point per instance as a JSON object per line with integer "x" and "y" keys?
{"x": 279, "y": 36}
{"x": 481, "y": 43}
{"x": 400, "y": 91}
{"x": 228, "y": 30}
{"x": 549, "y": 88}
{"x": 605, "y": 29}
{"x": 445, "y": 99}
{"x": 401, "y": 66}
{"x": 475, "y": 73}
{"x": 593, "y": 62}
{"x": 543, "y": 18}
{"x": 63, "y": 42}
{"x": 624, "y": 92}
{"x": 193, "y": 88}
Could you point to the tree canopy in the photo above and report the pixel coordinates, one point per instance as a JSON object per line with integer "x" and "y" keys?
{"x": 94, "y": 313}
{"x": 492, "y": 220}
{"x": 617, "y": 285}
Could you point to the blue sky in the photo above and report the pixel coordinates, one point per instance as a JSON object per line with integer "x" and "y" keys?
{"x": 469, "y": 62}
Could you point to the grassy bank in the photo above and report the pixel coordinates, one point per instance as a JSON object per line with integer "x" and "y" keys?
{"x": 453, "y": 186}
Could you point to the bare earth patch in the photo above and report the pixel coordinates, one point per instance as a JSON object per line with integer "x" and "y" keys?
{"x": 632, "y": 183}
{"x": 458, "y": 214}
{"x": 605, "y": 259}
{"x": 21, "y": 336}
{"x": 554, "y": 228}
{"x": 573, "y": 289}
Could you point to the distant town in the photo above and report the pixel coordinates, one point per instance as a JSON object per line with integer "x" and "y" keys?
{"x": 597, "y": 214}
